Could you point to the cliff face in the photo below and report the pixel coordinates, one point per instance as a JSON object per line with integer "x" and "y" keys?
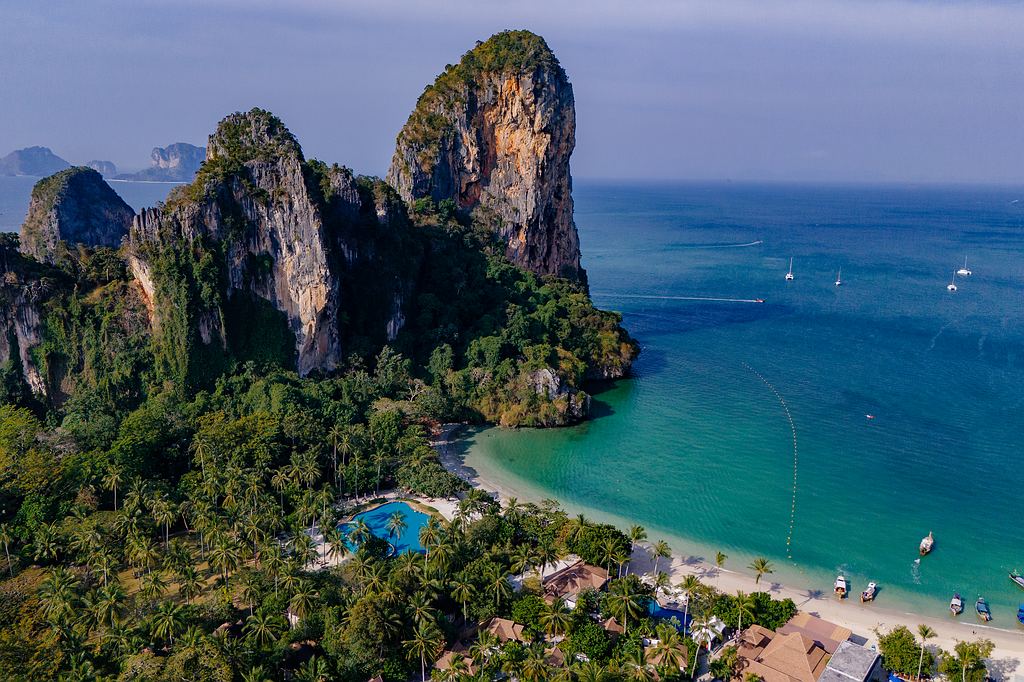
{"x": 32, "y": 161}
{"x": 21, "y": 297}
{"x": 285, "y": 232}
{"x": 494, "y": 133}
{"x": 74, "y": 206}
{"x": 105, "y": 168}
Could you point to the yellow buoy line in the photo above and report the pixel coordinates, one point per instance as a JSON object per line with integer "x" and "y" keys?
{"x": 796, "y": 458}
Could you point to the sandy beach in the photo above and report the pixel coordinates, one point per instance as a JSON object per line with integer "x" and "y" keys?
{"x": 1006, "y": 663}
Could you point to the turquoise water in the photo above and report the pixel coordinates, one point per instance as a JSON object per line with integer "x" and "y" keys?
{"x": 377, "y": 520}
{"x": 699, "y": 449}
{"x": 15, "y": 193}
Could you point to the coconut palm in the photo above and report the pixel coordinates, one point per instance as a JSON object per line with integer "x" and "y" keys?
{"x": 577, "y": 527}
{"x": 47, "y": 543}
{"x": 523, "y": 560}
{"x": 57, "y": 594}
{"x": 669, "y": 648}
{"x": 263, "y": 628}
{"x": 636, "y": 534}
{"x": 761, "y": 566}
{"x": 547, "y": 552}
{"x": 462, "y": 592}
{"x": 744, "y": 607}
{"x": 422, "y": 610}
{"x": 190, "y": 583}
{"x": 224, "y": 558}
{"x": 925, "y": 633}
{"x": 426, "y": 642}
{"x": 637, "y": 669}
{"x": 396, "y": 524}
{"x": 660, "y": 550}
{"x": 497, "y": 585}
{"x": 690, "y": 586}
{"x": 555, "y": 618}
{"x": 303, "y": 599}
{"x": 624, "y": 601}
{"x": 534, "y": 668}
{"x": 720, "y": 558}
{"x": 592, "y": 671}
{"x": 608, "y": 551}
{"x": 314, "y": 670}
{"x": 168, "y": 620}
{"x": 113, "y": 477}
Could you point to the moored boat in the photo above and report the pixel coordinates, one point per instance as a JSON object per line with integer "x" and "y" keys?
{"x": 956, "y": 604}
{"x": 1020, "y": 614}
{"x": 840, "y": 587}
{"x": 927, "y": 544}
{"x": 869, "y": 593}
{"x": 981, "y": 606}
{"x": 1017, "y": 579}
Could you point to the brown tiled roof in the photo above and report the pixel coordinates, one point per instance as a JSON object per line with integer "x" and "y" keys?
{"x": 505, "y": 629}
{"x": 612, "y": 625}
{"x": 778, "y": 657}
{"x": 554, "y": 657}
{"x": 827, "y": 635}
{"x": 574, "y": 579}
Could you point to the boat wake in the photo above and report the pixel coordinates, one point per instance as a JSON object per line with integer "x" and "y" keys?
{"x": 721, "y": 246}
{"x": 608, "y": 294}
{"x": 915, "y": 571}
{"x": 792, "y": 426}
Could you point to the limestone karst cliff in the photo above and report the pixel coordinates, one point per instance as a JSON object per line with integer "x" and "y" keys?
{"x": 176, "y": 162}
{"x": 494, "y": 133}
{"x": 74, "y": 206}
{"x": 39, "y": 161}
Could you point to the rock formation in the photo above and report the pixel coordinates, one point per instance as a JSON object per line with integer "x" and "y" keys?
{"x": 176, "y": 162}
{"x": 39, "y": 161}
{"x": 494, "y": 133}
{"x": 74, "y": 206}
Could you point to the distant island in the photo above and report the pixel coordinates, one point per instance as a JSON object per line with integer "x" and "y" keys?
{"x": 176, "y": 162}
{"x": 37, "y": 161}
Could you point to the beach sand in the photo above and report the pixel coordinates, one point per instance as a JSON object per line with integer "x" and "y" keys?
{"x": 1006, "y": 663}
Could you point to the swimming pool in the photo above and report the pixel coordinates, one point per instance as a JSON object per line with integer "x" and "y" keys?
{"x": 659, "y": 612}
{"x": 377, "y": 520}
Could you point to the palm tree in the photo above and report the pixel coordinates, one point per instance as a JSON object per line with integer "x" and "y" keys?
{"x": 669, "y": 648}
{"x": 462, "y": 592}
{"x": 547, "y": 552}
{"x": 636, "y": 534}
{"x": 110, "y": 604}
{"x": 47, "y": 544}
{"x": 336, "y": 434}
{"x": 337, "y": 546}
{"x": 609, "y": 550}
{"x": 396, "y": 524}
{"x": 744, "y": 607}
{"x": 167, "y": 621}
{"x": 689, "y": 586}
{"x": 422, "y": 611}
{"x": 257, "y": 673}
{"x": 224, "y": 557}
{"x": 761, "y": 566}
{"x": 262, "y": 628}
{"x": 303, "y": 599}
{"x": 637, "y": 668}
{"x": 57, "y": 593}
{"x": 430, "y": 534}
{"x": 6, "y": 537}
{"x": 592, "y": 671}
{"x": 535, "y": 667}
{"x": 577, "y": 527}
{"x": 522, "y": 560}
{"x": 113, "y": 477}
{"x": 497, "y": 584}
{"x": 660, "y": 550}
{"x": 314, "y": 670}
{"x": 625, "y": 601}
{"x": 280, "y": 482}
{"x": 925, "y": 633}
{"x": 720, "y": 558}
{"x": 426, "y": 642}
{"x": 190, "y": 583}
{"x": 555, "y": 618}
{"x": 970, "y": 654}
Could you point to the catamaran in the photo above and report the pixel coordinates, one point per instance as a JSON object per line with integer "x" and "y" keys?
{"x": 839, "y": 278}
{"x": 956, "y": 604}
{"x": 789, "y": 275}
{"x": 840, "y": 587}
{"x": 981, "y": 606}
{"x": 952, "y": 283}
{"x": 927, "y": 544}
{"x": 964, "y": 272}
{"x": 869, "y": 593}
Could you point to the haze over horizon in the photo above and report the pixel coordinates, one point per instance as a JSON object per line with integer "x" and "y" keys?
{"x": 796, "y": 90}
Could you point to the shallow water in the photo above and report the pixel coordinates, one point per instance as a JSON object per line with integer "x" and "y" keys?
{"x": 699, "y": 446}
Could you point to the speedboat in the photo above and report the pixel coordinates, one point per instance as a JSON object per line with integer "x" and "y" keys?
{"x": 789, "y": 275}
{"x": 839, "y": 278}
{"x": 964, "y": 272}
{"x": 956, "y": 604}
{"x": 981, "y": 606}
{"x": 927, "y": 544}
{"x": 952, "y": 283}
{"x": 1017, "y": 579}
{"x": 840, "y": 587}
{"x": 869, "y": 593}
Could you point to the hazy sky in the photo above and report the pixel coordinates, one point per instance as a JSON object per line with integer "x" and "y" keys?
{"x": 874, "y": 90}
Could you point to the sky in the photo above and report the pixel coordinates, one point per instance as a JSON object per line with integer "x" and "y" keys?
{"x": 785, "y": 90}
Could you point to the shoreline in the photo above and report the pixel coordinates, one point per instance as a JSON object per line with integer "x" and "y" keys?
{"x": 1007, "y": 659}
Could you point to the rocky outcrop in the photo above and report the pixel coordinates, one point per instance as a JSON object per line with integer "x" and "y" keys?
{"x": 38, "y": 161}
{"x": 178, "y": 162}
{"x": 295, "y": 234}
{"x": 494, "y": 133}
{"x": 105, "y": 168}
{"x": 572, "y": 404}
{"x": 74, "y": 206}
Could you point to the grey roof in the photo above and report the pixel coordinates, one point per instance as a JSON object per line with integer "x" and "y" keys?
{"x": 850, "y": 662}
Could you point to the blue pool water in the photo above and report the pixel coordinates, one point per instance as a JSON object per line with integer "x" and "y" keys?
{"x": 377, "y": 520}
{"x": 657, "y": 611}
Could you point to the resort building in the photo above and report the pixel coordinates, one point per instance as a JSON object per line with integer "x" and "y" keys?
{"x": 571, "y": 580}
{"x": 505, "y": 630}
{"x": 806, "y": 649}
{"x": 457, "y": 652}
{"x": 853, "y": 663}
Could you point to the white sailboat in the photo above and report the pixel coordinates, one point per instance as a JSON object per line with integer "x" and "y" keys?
{"x": 964, "y": 272}
{"x": 952, "y": 283}
{"x": 839, "y": 278}
{"x": 789, "y": 275}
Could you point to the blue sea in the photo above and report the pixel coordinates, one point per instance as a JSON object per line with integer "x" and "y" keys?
{"x": 744, "y": 428}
